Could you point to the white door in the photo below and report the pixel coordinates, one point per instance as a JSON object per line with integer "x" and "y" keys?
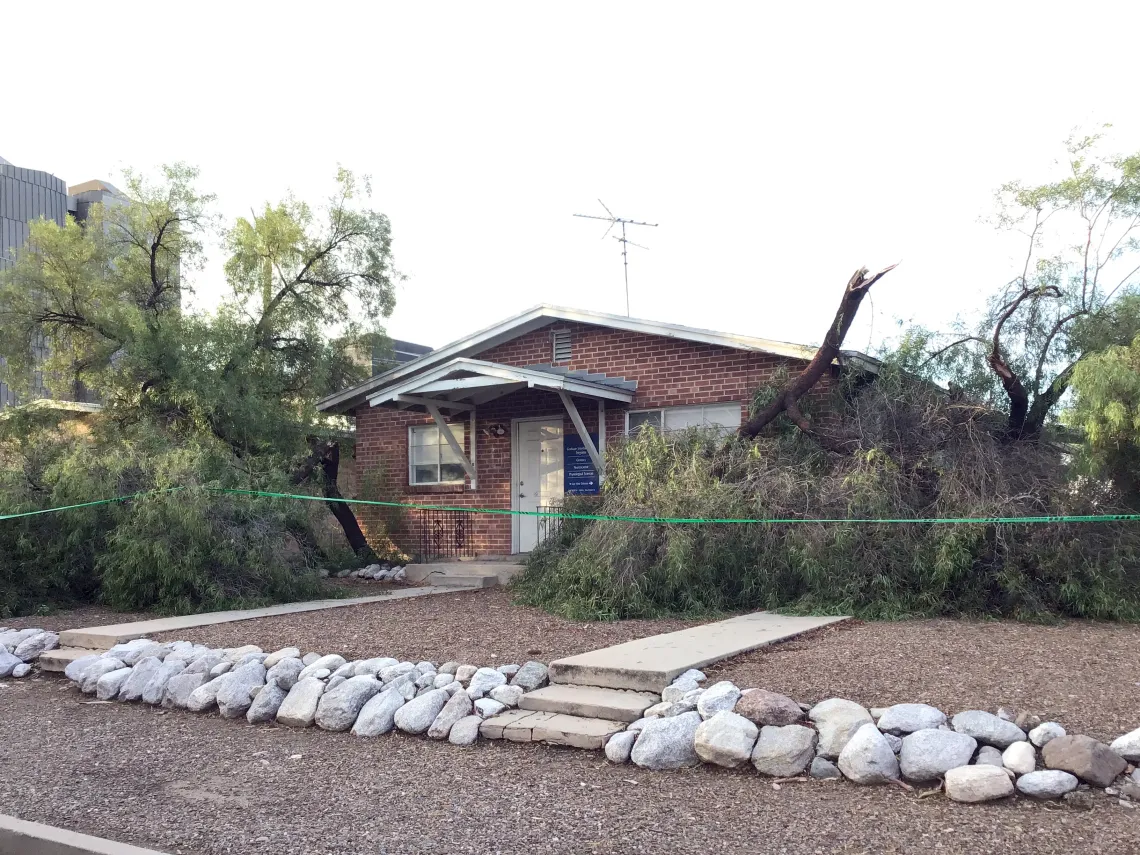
{"x": 538, "y": 470}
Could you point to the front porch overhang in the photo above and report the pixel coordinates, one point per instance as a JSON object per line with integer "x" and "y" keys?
{"x": 461, "y": 385}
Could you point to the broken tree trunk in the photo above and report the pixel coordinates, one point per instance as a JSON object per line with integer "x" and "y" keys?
{"x": 787, "y": 401}
{"x": 326, "y": 454}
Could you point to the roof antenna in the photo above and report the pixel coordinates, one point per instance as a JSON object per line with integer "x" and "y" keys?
{"x": 625, "y": 243}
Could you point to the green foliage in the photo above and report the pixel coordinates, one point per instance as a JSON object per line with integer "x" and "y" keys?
{"x": 1106, "y": 408}
{"x": 1074, "y": 292}
{"x": 921, "y": 454}
{"x": 220, "y": 399}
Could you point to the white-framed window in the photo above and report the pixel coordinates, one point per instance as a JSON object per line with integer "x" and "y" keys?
{"x": 723, "y": 416}
{"x": 430, "y": 457}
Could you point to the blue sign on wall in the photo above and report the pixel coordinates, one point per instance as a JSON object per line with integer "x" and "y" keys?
{"x": 580, "y": 478}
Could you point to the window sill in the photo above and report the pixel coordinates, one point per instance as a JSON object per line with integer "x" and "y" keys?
{"x": 434, "y": 489}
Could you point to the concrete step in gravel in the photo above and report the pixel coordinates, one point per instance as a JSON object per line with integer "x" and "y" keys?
{"x": 552, "y": 728}
{"x": 651, "y": 664}
{"x": 590, "y": 702}
{"x": 61, "y": 657}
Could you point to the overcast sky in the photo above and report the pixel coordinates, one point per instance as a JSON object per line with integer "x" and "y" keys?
{"x": 779, "y": 146}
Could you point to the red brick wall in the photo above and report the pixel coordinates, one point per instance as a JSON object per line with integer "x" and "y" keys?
{"x": 669, "y": 372}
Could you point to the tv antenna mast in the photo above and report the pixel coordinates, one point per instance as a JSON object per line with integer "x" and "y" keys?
{"x": 623, "y": 240}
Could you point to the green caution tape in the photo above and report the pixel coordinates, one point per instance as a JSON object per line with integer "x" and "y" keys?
{"x": 1089, "y": 518}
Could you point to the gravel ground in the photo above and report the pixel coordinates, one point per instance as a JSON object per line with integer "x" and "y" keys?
{"x": 76, "y": 618}
{"x": 1084, "y": 675}
{"x": 199, "y": 785}
{"x": 479, "y": 627}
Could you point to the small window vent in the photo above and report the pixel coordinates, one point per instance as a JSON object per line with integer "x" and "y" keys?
{"x": 561, "y": 346}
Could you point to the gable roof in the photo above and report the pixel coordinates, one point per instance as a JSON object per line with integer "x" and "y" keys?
{"x": 541, "y": 316}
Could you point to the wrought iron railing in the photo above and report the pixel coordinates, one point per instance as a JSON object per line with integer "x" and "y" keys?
{"x": 549, "y": 527}
{"x": 442, "y": 534}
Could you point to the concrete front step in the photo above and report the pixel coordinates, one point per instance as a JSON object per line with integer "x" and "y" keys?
{"x": 552, "y": 728}
{"x": 61, "y": 657}
{"x": 465, "y": 581}
{"x": 590, "y": 702}
{"x": 499, "y": 572}
{"x": 651, "y": 664}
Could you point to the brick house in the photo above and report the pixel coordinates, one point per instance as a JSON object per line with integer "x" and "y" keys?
{"x": 517, "y": 415}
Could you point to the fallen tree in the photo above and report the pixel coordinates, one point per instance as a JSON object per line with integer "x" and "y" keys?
{"x": 787, "y": 399}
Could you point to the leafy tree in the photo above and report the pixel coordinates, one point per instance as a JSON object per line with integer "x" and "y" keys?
{"x": 1106, "y": 407}
{"x": 1071, "y": 297}
{"x": 225, "y": 398}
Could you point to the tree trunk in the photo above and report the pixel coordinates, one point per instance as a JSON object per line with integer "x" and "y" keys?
{"x": 330, "y": 463}
{"x": 326, "y": 454}
{"x": 1044, "y": 403}
{"x": 788, "y": 399}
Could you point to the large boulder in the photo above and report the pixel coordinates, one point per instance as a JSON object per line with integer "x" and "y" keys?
{"x": 931, "y": 753}
{"x": 330, "y": 662}
{"x": 149, "y": 650}
{"x": 8, "y": 662}
{"x": 13, "y": 638}
{"x": 266, "y": 704}
{"x": 1128, "y": 746}
{"x": 762, "y": 707}
{"x": 482, "y": 681}
{"x": 1020, "y": 758}
{"x": 717, "y": 698}
{"x": 205, "y": 663}
{"x": 977, "y": 784}
{"x": 236, "y": 694}
{"x": 91, "y": 674}
{"x": 30, "y": 648}
{"x": 206, "y": 695}
{"x": 620, "y": 745}
{"x": 784, "y": 751}
{"x": 1045, "y": 732}
{"x": 400, "y": 669}
{"x": 837, "y": 720}
{"x": 300, "y": 706}
{"x": 285, "y": 673}
{"x": 988, "y": 756}
{"x": 156, "y": 686}
{"x": 1046, "y": 784}
{"x": 465, "y": 731}
{"x": 379, "y": 714}
{"x": 459, "y": 706}
{"x": 179, "y": 688}
{"x": 987, "y": 728}
{"x": 1091, "y": 761}
{"x": 907, "y": 718}
{"x": 532, "y": 675}
{"x": 373, "y": 667}
{"x": 725, "y": 739}
{"x": 108, "y": 686}
{"x": 508, "y": 696}
{"x": 417, "y": 715}
{"x": 339, "y": 706}
{"x": 667, "y": 743}
{"x": 74, "y": 669}
{"x": 867, "y": 757}
{"x": 284, "y": 653}
{"x": 140, "y": 675}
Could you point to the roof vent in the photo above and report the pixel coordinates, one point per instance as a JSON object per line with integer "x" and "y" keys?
{"x": 561, "y": 346}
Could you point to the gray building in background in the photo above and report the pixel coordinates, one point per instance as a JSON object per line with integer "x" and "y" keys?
{"x": 27, "y": 195}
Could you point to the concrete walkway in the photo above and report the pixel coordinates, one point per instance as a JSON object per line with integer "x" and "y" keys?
{"x": 651, "y": 664}
{"x": 105, "y": 637}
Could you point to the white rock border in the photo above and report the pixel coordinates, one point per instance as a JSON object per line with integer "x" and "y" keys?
{"x": 370, "y": 697}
